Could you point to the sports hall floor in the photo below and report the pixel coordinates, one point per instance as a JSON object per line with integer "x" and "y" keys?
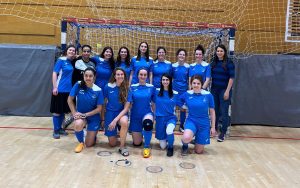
{"x": 253, "y": 156}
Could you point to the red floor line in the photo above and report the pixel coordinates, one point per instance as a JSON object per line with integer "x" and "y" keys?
{"x": 176, "y": 133}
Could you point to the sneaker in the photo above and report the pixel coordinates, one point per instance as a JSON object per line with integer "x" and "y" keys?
{"x": 146, "y": 152}
{"x": 221, "y": 137}
{"x": 181, "y": 129}
{"x": 170, "y": 152}
{"x": 185, "y": 150}
{"x": 56, "y": 135}
{"x": 79, "y": 148}
{"x": 62, "y": 132}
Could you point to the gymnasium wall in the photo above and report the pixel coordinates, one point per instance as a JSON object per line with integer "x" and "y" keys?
{"x": 260, "y": 24}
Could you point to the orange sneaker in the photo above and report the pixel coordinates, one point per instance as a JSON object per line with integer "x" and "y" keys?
{"x": 146, "y": 152}
{"x": 79, "y": 148}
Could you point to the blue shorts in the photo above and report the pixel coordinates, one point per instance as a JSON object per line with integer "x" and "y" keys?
{"x": 161, "y": 126}
{"x": 202, "y": 133}
{"x": 93, "y": 123}
{"x": 109, "y": 117}
{"x": 136, "y": 123}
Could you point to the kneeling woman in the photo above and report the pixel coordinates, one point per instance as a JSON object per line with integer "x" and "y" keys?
{"x": 116, "y": 92}
{"x": 199, "y": 102}
{"x": 165, "y": 102}
{"x": 89, "y": 104}
{"x": 141, "y": 117}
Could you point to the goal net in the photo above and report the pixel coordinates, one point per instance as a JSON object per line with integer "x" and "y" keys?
{"x": 99, "y": 33}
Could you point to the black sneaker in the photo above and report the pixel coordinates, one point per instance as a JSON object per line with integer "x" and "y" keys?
{"x": 62, "y": 132}
{"x": 221, "y": 137}
{"x": 56, "y": 135}
{"x": 170, "y": 152}
{"x": 185, "y": 150}
{"x": 67, "y": 122}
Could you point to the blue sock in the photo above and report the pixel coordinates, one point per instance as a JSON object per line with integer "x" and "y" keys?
{"x": 184, "y": 145}
{"x": 61, "y": 119}
{"x": 56, "y": 122}
{"x": 79, "y": 135}
{"x": 147, "y": 138}
{"x": 182, "y": 118}
{"x": 170, "y": 139}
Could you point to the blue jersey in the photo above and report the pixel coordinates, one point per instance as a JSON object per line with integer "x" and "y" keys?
{"x": 126, "y": 68}
{"x": 111, "y": 93}
{"x": 87, "y": 99}
{"x": 198, "y": 105}
{"x": 220, "y": 76}
{"x": 103, "y": 72}
{"x": 136, "y": 65}
{"x": 202, "y": 70}
{"x": 64, "y": 70}
{"x": 158, "y": 69}
{"x": 180, "y": 77}
{"x": 142, "y": 95}
{"x": 164, "y": 105}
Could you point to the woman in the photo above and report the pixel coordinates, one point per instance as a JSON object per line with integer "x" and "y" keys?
{"x": 62, "y": 85}
{"x": 123, "y": 60}
{"x": 200, "y": 104}
{"x": 160, "y": 66}
{"x": 141, "y": 117}
{"x": 200, "y": 67}
{"x": 141, "y": 60}
{"x": 117, "y": 95}
{"x": 165, "y": 101}
{"x": 104, "y": 67}
{"x": 222, "y": 81}
{"x": 82, "y": 62}
{"x": 88, "y": 107}
{"x": 180, "y": 72}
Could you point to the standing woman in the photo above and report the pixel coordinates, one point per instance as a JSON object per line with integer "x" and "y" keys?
{"x": 82, "y": 62}
{"x": 200, "y": 67}
{"x": 141, "y": 115}
{"x": 165, "y": 104}
{"x": 118, "y": 102}
{"x": 62, "y": 85}
{"x": 180, "y": 72}
{"x": 201, "y": 112}
{"x": 222, "y": 81}
{"x": 104, "y": 67}
{"x": 88, "y": 106}
{"x": 160, "y": 66}
{"x": 123, "y": 61}
{"x": 142, "y": 60}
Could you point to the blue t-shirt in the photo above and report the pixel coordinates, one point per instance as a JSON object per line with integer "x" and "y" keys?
{"x": 126, "y": 68}
{"x": 142, "y": 95}
{"x": 202, "y": 70}
{"x": 158, "y": 69}
{"x": 164, "y": 105}
{"x": 220, "y": 76}
{"x": 180, "y": 75}
{"x": 87, "y": 99}
{"x": 136, "y": 65}
{"x": 64, "y": 70}
{"x": 198, "y": 105}
{"x": 103, "y": 72}
{"x": 111, "y": 93}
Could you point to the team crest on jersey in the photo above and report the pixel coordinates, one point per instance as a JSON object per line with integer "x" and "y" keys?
{"x": 94, "y": 96}
{"x": 81, "y": 91}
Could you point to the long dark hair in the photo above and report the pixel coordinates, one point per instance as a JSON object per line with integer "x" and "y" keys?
{"x": 82, "y": 83}
{"x": 146, "y": 53}
{"x": 160, "y": 48}
{"x": 111, "y": 60}
{"x": 170, "y": 87}
{"x": 216, "y": 59}
{"x": 123, "y": 92}
{"x": 127, "y": 59}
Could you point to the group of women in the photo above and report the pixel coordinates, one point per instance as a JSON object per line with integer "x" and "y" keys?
{"x": 107, "y": 91}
